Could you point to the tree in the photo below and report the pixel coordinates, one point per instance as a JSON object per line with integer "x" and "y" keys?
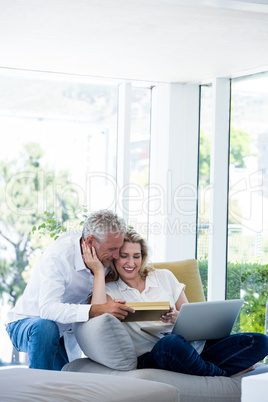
{"x": 239, "y": 149}
{"x": 250, "y": 278}
{"x": 204, "y": 157}
{"x": 27, "y": 188}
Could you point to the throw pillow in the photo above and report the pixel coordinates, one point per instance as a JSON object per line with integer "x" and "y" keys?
{"x": 105, "y": 340}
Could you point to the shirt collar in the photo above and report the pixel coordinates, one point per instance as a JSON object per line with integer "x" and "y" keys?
{"x": 150, "y": 282}
{"x": 78, "y": 259}
{"x": 122, "y": 285}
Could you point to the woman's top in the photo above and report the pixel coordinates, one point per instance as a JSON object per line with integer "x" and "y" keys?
{"x": 160, "y": 285}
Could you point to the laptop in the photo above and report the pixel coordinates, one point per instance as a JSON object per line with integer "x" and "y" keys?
{"x": 201, "y": 321}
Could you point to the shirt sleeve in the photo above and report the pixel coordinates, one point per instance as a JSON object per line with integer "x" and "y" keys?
{"x": 53, "y": 280}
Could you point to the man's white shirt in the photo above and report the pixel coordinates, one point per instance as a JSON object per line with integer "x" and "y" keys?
{"x": 59, "y": 289}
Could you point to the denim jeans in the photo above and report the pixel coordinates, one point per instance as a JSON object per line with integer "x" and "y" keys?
{"x": 41, "y": 340}
{"x": 221, "y": 357}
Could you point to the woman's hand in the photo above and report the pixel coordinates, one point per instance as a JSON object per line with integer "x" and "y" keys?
{"x": 170, "y": 316}
{"x": 91, "y": 260}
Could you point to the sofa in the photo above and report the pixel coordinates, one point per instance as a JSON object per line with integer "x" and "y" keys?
{"x": 20, "y": 384}
{"x": 107, "y": 334}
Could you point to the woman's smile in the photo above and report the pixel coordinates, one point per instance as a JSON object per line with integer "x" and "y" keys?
{"x": 128, "y": 269}
{"x": 128, "y": 264}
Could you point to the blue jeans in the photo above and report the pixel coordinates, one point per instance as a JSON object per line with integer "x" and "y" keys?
{"x": 41, "y": 340}
{"x": 220, "y": 357}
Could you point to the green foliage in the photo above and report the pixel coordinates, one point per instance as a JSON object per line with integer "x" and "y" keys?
{"x": 239, "y": 149}
{"x": 203, "y": 269}
{"x": 84, "y": 215}
{"x": 204, "y": 157}
{"x": 249, "y": 281}
{"x": 26, "y": 184}
{"x": 50, "y": 226}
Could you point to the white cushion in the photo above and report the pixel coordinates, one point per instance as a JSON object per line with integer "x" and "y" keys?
{"x": 192, "y": 388}
{"x": 23, "y": 385}
{"x": 105, "y": 340}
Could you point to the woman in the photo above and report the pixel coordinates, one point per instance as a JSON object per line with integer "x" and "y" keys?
{"x": 135, "y": 281}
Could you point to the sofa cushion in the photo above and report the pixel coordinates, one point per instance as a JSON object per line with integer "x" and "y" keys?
{"x": 191, "y": 388}
{"x": 23, "y": 385}
{"x": 105, "y": 340}
{"x": 85, "y": 365}
{"x": 187, "y": 272}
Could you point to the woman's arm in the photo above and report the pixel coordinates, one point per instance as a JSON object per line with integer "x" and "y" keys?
{"x": 94, "y": 264}
{"x": 170, "y": 317}
{"x": 181, "y": 300}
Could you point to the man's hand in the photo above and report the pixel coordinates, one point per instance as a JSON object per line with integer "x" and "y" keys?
{"x": 115, "y": 307}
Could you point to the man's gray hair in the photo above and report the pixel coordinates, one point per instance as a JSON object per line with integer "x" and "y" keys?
{"x": 99, "y": 223}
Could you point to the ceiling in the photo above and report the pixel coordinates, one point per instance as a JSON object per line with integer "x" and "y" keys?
{"x": 148, "y": 40}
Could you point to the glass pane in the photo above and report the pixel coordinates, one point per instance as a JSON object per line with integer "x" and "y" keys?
{"x": 204, "y": 181}
{"x": 247, "y": 274}
{"x": 58, "y": 153}
{"x": 139, "y": 159}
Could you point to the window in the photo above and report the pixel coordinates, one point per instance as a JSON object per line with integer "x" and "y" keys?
{"x": 204, "y": 179}
{"x": 139, "y": 159}
{"x": 247, "y": 273}
{"x": 59, "y": 155}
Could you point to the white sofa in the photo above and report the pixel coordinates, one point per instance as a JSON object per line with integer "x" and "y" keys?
{"x": 191, "y": 388}
{"x": 105, "y": 333}
{"x": 29, "y": 385}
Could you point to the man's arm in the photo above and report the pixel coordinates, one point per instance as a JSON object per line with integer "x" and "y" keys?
{"x": 53, "y": 276}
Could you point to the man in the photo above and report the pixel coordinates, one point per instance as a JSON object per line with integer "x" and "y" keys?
{"x": 57, "y": 294}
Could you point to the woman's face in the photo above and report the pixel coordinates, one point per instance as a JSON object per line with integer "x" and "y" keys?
{"x": 129, "y": 262}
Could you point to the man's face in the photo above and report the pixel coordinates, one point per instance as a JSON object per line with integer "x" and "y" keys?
{"x": 108, "y": 249}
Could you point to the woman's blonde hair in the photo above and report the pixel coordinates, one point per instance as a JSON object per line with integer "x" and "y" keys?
{"x": 132, "y": 236}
